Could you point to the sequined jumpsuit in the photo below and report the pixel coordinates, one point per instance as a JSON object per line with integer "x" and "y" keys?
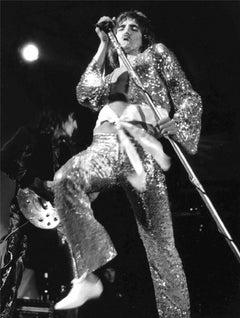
{"x": 104, "y": 164}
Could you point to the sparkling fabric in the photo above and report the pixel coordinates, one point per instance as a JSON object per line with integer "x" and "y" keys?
{"x": 125, "y": 127}
{"x": 75, "y": 183}
{"x": 163, "y": 78}
{"x": 104, "y": 164}
{"x": 98, "y": 167}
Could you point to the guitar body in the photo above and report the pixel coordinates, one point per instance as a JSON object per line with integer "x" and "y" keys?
{"x": 43, "y": 216}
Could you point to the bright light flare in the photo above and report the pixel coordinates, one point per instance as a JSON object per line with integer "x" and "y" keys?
{"x": 30, "y": 52}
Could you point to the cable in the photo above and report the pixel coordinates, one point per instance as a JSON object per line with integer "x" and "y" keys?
{"x": 6, "y": 237}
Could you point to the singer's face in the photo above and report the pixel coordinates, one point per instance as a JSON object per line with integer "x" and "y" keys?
{"x": 129, "y": 36}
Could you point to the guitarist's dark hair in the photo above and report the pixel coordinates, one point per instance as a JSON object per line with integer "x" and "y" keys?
{"x": 50, "y": 119}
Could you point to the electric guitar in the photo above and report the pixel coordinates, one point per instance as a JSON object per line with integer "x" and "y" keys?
{"x": 39, "y": 212}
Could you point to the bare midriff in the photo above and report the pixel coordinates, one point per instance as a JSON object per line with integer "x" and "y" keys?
{"x": 106, "y": 127}
{"x": 119, "y": 83}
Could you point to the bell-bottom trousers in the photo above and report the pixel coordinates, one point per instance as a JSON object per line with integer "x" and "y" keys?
{"x": 100, "y": 166}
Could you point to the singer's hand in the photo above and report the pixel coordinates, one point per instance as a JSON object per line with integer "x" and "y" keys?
{"x": 166, "y": 127}
{"x": 101, "y": 34}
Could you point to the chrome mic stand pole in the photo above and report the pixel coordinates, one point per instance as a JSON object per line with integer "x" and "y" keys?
{"x": 192, "y": 177}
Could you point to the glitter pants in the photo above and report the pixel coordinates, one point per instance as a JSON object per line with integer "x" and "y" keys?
{"x": 100, "y": 166}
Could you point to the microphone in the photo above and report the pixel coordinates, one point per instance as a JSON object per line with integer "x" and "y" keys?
{"x": 106, "y": 26}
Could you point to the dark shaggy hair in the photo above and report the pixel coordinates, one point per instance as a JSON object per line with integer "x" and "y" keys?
{"x": 144, "y": 23}
{"x": 50, "y": 119}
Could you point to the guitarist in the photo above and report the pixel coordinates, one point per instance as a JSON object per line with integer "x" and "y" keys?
{"x": 30, "y": 158}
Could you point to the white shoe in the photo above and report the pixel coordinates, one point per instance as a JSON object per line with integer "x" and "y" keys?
{"x": 82, "y": 290}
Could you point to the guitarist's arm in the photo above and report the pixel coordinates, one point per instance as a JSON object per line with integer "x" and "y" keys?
{"x": 42, "y": 188}
{"x": 15, "y": 154}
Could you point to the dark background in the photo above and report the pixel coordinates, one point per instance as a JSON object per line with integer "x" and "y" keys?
{"x": 205, "y": 36}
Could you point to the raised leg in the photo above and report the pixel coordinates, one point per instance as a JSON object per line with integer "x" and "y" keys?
{"x": 90, "y": 245}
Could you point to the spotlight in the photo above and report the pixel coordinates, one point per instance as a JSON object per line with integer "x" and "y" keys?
{"x": 29, "y": 52}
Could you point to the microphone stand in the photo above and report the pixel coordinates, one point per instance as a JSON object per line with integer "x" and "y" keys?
{"x": 192, "y": 177}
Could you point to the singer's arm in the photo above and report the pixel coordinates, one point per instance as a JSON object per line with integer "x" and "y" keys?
{"x": 104, "y": 40}
{"x": 187, "y": 103}
{"x": 92, "y": 87}
{"x": 100, "y": 56}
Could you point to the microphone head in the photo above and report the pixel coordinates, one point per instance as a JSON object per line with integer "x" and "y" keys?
{"x": 106, "y": 26}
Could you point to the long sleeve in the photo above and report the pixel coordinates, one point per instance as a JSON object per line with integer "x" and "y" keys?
{"x": 92, "y": 87}
{"x": 187, "y": 103}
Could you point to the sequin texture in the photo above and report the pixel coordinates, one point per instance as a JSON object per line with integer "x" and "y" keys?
{"x": 104, "y": 164}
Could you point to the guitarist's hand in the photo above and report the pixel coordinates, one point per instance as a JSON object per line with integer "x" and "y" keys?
{"x": 43, "y": 202}
{"x": 44, "y": 191}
